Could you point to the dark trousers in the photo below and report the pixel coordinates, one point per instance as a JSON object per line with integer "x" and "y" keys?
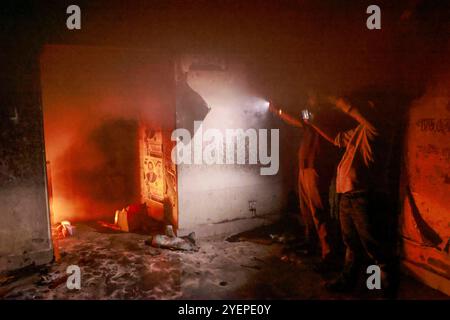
{"x": 358, "y": 233}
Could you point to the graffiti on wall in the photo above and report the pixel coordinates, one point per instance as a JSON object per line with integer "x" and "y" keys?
{"x": 440, "y": 125}
{"x": 152, "y": 167}
{"x": 425, "y": 216}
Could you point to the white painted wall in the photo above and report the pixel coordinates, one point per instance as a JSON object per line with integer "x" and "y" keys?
{"x": 217, "y": 193}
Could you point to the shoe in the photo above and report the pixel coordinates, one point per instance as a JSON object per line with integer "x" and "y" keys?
{"x": 340, "y": 284}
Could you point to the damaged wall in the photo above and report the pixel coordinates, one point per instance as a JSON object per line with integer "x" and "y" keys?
{"x": 425, "y": 223}
{"x": 158, "y": 175}
{"x": 210, "y": 194}
{"x": 24, "y": 227}
{"x": 95, "y": 99}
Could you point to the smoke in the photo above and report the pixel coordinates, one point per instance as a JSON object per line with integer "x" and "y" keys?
{"x": 94, "y": 101}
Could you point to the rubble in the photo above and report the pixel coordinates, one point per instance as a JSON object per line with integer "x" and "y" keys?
{"x": 52, "y": 279}
{"x": 27, "y": 275}
{"x": 135, "y": 218}
{"x": 283, "y": 232}
{"x": 63, "y": 230}
{"x": 171, "y": 241}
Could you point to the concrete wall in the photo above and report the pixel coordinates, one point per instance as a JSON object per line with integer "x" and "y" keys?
{"x": 425, "y": 217}
{"x": 211, "y": 194}
{"x": 24, "y": 226}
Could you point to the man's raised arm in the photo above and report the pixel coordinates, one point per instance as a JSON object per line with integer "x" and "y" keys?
{"x": 286, "y": 117}
{"x": 353, "y": 112}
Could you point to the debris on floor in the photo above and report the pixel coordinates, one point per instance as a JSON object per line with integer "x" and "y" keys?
{"x": 293, "y": 248}
{"x": 63, "y": 230}
{"x": 27, "y": 275}
{"x": 110, "y": 226}
{"x": 121, "y": 266}
{"x": 5, "y": 279}
{"x": 134, "y": 218}
{"x": 171, "y": 241}
{"x": 52, "y": 279}
{"x": 284, "y": 232}
{"x": 291, "y": 258}
{"x": 282, "y": 238}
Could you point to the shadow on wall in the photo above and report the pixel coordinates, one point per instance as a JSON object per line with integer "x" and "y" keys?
{"x": 98, "y": 172}
{"x": 190, "y": 105}
{"x": 91, "y": 118}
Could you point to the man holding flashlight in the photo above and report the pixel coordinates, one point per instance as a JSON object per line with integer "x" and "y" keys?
{"x": 355, "y": 178}
{"x": 312, "y": 190}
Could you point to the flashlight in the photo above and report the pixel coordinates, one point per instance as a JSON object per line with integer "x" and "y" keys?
{"x": 306, "y": 114}
{"x": 261, "y": 105}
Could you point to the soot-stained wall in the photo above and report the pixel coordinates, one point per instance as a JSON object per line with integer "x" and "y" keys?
{"x": 94, "y": 101}
{"x": 425, "y": 217}
{"x": 25, "y": 226}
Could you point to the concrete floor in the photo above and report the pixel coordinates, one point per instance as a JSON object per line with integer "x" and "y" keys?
{"x": 121, "y": 266}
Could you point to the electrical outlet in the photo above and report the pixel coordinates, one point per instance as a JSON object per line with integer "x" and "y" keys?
{"x": 252, "y": 207}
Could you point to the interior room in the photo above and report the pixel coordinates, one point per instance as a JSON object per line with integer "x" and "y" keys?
{"x": 172, "y": 150}
{"x": 107, "y": 126}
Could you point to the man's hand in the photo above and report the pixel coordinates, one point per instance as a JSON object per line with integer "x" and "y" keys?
{"x": 306, "y": 122}
{"x": 275, "y": 110}
{"x": 347, "y": 108}
{"x": 286, "y": 117}
{"x": 272, "y": 108}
